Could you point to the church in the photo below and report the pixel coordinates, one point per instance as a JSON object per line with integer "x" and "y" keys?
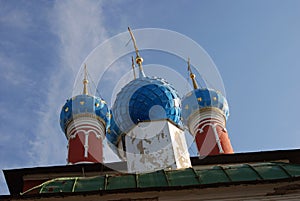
{"x": 145, "y": 128}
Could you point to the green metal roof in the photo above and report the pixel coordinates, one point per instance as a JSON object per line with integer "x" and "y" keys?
{"x": 173, "y": 178}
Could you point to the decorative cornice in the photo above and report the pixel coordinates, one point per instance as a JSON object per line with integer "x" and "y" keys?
{"x": 85, "y": 124}
{"x": 78, "y": 117}
{"x": 205, "y": 115}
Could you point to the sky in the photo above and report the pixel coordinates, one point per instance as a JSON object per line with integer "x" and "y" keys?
{"x": 255, "y": 45}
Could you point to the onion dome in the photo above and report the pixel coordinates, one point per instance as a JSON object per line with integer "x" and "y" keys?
{"x": 84, "y": 105}
{"x": 146, "y": 99}
{"x": 203, "y": 98}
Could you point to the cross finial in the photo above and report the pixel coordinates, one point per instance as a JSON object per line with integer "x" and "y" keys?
{"x": 133, "y": 67}
{"x": 192, "y": 75}
{"x": 85, "y": 81}
{"x": 138, "y": 59}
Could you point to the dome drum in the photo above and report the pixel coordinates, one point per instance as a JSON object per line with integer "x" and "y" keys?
{"x": 209, "y": 114}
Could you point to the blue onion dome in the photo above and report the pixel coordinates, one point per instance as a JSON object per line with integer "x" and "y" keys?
{"x": 146, "y": 99}
{"x": 82, "y": 105}
{"x": 203, "y": 98}
{"x": 113, "y": 133}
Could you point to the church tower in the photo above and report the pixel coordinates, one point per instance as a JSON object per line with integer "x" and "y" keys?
{"x": 84, "y": 119}
{"x": 205, "y": 112}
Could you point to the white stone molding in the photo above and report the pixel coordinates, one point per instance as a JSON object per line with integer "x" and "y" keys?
{"x": 207, "y": 117}
{"x": 87, "y": 125}
{"x": 203, "y": 116}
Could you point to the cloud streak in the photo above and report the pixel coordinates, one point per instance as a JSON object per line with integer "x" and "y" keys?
{"x": 79, "y": 28}
{"x": 40, "y": 66}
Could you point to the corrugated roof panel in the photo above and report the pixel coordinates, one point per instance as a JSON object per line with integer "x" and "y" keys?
{"x": 153, "y": 179}
{"x": 213, "y": 175}
{"x": 121, "y": 182}
{"x": 292, "y": 169}
{"x": 185, "y": 177}
{"x": 58, "y": 185}
{"x": 271, "y": 171}
{"x": 242, "y": 173}
{"x": 89, "y": 184}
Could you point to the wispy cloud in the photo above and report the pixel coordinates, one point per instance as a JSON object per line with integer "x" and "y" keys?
{"x": 14, "y": 85}
{"x": 12, "y": 22}
{"x": 39, "y": 61}
{"x": 11, "y": 17}
{"x": 79, "y": 28}
{"x": 12, "y": 72}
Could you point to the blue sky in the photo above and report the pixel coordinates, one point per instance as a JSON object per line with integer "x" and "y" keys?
{"x": 255, "y": 45}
